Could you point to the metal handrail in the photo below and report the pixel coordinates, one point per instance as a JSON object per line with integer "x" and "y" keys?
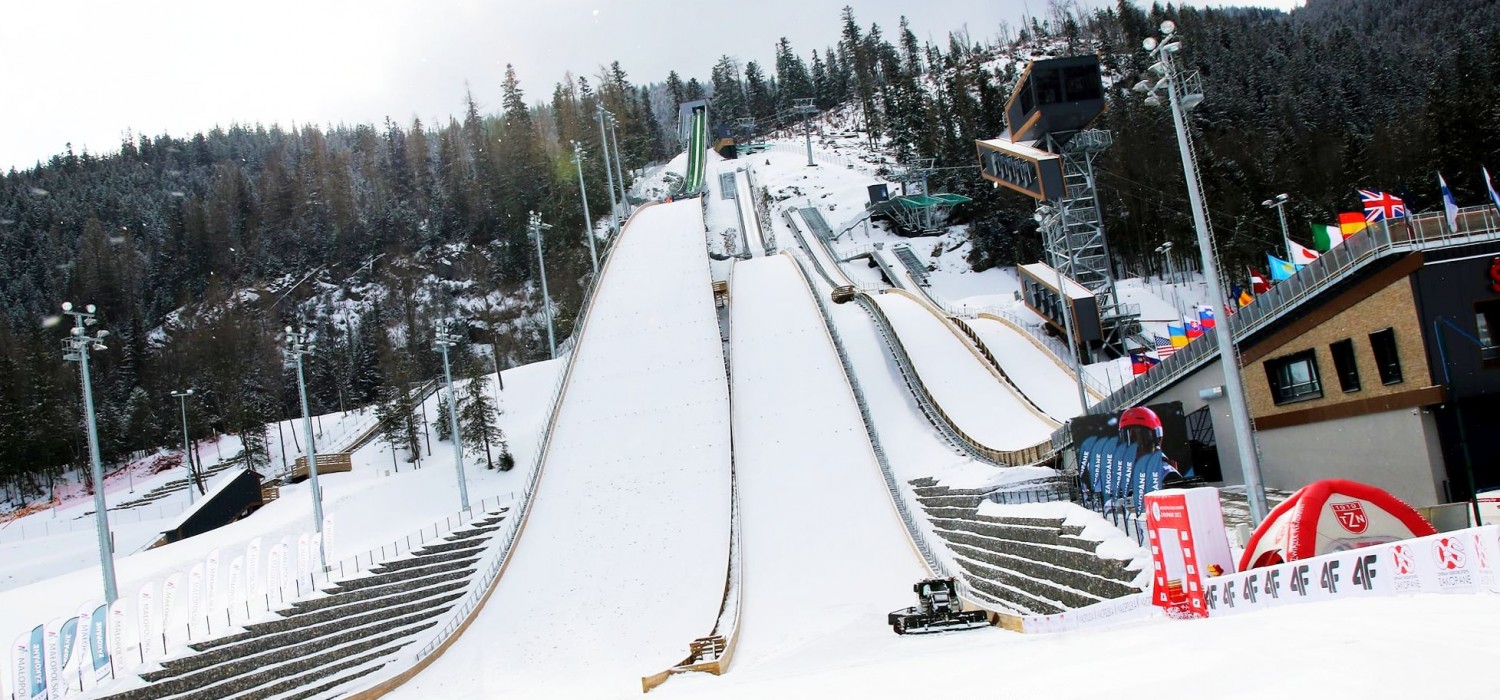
{"x": 1425, "y": 232}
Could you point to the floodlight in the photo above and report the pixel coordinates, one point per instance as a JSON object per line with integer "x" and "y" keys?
{"x": 1171, "y": 47}
{"x": 89, "y": 308}
{"x": 1153, "y": 100}
{"x": 101, "y": 346}
{"x": 102, "y": 333}
{"x": 67, "y": 306}
{"x": 1192, "y": 100}
{"x": 1268, "y": 203}
{"x": 1142, "y": 87}
{"x": 1149, "y": 43}
{"x": 1168, "y": 26}
{"x": 76, "y": 330}
{"x": 1158, "y": 69}
{"x": 288, "y": 330}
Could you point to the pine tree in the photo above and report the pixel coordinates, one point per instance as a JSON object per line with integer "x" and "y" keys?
{"x": 440, "y": 421}
{"x": 476, "y": 418}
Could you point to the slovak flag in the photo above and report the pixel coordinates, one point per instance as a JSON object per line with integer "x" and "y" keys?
{"x": 1194, "y": 329}
{"x": 1206, "y": 317}
{"x": 1379, "y": 205}
{"x": 1141, "y": 363}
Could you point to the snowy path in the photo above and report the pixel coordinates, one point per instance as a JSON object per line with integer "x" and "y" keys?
{"x": 622, "y": 560}
{"x": 1033, "y": 369}
{"x": 813, "y": 585}
{"x": 978, "y": 403}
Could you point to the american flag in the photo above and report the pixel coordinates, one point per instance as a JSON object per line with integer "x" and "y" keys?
{"x": 1379, "y": 205}
{"x": 1164, "y": 347}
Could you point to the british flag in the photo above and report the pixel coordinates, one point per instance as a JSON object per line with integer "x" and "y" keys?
{"x": 1380, "y": 205}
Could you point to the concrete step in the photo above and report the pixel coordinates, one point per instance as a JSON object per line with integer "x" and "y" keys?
{"x": 1105, "y": 580}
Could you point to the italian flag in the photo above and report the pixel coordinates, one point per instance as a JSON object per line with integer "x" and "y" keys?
{"x": 1326, "y": 236}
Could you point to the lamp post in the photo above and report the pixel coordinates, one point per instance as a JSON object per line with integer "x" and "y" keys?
{"x": 619, "y": 172}
{"x": 609, "y": 175}
{"x": 1166, "y": 253}
{"x": 536, "y": 227}
{"x": 76, "y": 348}
{"x": 442, "y": 340}
{"x": 1183, "y": 92}
{"x": 298, "y": 344}
{"x": 187, "y": 452}
{"x": 1278, "y": 203}
{"x": 588, "y": 221}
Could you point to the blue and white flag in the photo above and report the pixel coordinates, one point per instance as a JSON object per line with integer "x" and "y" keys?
{"x": 1491, "y": 187}
{"x": 1281, "y": 269}
{"x": 1449, "y": 206}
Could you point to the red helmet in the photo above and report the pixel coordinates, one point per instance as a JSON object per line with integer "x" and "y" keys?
{"x": 1141, "y": 417}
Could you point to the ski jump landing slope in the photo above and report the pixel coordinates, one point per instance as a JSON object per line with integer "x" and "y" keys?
{"x": 623, "y": 557}
{"x": 825, "y": 554}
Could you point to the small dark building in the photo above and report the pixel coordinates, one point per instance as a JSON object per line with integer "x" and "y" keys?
{"x": 1039, "y": 292}
{"x": 234, "y": 495}
{"x": 1055, "y": 96}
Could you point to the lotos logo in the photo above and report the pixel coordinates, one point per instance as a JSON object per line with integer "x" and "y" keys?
{"x": 1351, "y": 516}
{"x": 1448, "y": 552}
{"x": 1495, "y": 275}
{"x": 1402, "y": 554}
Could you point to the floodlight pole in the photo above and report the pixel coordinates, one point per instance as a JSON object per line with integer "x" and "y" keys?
{"x": 1278, "y": 203}
{"x": 1239, "y": 410}
{"x": 187, "y": 451}
{"x": 298, "y": 345}
{"x": 609, "y": 175}
{"x": 441, "y": 342}
{"x": 588, "y": 222}
{"x": 619, "y": 173}
{"x": 76, "y": 348}
{"x": 536, "y": 227}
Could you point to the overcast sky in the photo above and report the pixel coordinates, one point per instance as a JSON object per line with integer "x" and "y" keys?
{"x": 86, "y": 71}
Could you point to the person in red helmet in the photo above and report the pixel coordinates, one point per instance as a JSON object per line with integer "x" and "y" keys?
{"x": 1151, "y": 468}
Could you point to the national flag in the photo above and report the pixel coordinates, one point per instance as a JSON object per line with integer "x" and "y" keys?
{"x": 1206, "y": 317}
{"x": 1326, "y": 236}
{"x": 1164, "y": 346}
{"x": 1258, "y": 283}
{"x": 1301, "y": 255}
{"x": 1140, "y": 363}
{"x": 1281, "y": 269}
{"x": 1379, "y": 205}
{"x": 1178, "y": 334}
{"x": 1491, "y": 187}
{"x": 1352, "y": 222}
{"x": 1242, "y": 296}
{"x": 1194, "y": 329}
{"x": 1450, "y": 207}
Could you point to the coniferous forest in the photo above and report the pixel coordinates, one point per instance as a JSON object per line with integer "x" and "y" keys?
{"x": 198, "y": 249}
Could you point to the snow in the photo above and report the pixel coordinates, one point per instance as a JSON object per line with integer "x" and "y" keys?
{"x": 630, "y": 521}
{"x": 805, "y": 597}
{"x": 623, "y": 558}
{"x": 978, "y": 403}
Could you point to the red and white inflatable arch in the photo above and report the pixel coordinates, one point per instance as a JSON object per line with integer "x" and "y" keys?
{"x": 1329, "y": 516}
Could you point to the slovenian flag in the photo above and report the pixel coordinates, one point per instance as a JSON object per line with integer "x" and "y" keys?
{"x": 1206, "y": 317}
{"x": 1281, "y": 269}
{"x": 1326, "y": 236}
{"x": 1141, "y": 363}
{"x": 1178, "y": 335}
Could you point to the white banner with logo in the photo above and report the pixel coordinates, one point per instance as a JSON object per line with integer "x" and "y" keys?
{"x": 1463, "y": 561}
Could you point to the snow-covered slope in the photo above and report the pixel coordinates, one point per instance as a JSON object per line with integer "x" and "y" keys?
{"x": 812, "y": 583}
{"x": 622, "y": 559}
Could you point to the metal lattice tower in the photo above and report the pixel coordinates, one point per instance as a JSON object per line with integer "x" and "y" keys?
{"x": 1074, "y": 241}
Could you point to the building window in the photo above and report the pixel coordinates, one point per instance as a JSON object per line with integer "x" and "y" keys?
{"x": 1387, "y": 358}
{"x": 1344, "y": 366}
{"x": 1294, "y": 378}
{"x": 1487, "y": 318}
